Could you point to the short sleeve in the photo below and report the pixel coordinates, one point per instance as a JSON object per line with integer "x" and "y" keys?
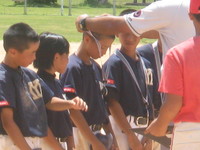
{"x": 48, "y": 94}
{"x": 71, "y": 82}
{"x": 113, "y": 77}
{"x": 7, "y": 94}
{"x": 172, "y": 79}
{"x": 153, "y": 17}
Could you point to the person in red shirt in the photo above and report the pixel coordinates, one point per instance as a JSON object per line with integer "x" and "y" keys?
{"x": 181, "y": 83}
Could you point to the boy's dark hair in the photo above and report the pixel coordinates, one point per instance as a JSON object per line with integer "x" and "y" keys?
{"x": 50, "y": 44}
{"x": 127, "y": 11}
{"x": 19, "y": 36}
{"x": 197, "y": 16}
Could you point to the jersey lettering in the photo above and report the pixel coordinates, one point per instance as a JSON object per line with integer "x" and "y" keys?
{"x": 149, "y": 76}
{"x": 35, "y": 89}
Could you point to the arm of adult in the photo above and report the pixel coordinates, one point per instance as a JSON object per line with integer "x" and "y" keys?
{"x": 82, "y": 125}
{"x": 12, "y": 129}
{"x": 51, "y": 141}
{"x": 119, "y": 116}
{"x": 58, "y": 104}
{"x": 108, "y": 25}
{"x": 152, "y": 34}
{"x": 168, "y": 111}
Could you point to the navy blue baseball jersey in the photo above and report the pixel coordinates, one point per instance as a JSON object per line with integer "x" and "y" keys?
{"x": 22, "y": 90}
{"x": 122, "y": 86}
{"x": 147, "y": 52}
{"x": 83, "y": 80}
{"x": 58, "y": 121}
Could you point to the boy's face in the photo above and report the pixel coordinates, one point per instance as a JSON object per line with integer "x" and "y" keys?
{"x": 128, "y": 40}
{"x": 26, "y": 57}
{"x": 105, "y": 44}
{"x": 60, "y": 62}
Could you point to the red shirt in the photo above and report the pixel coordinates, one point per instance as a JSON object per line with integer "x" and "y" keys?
{"x": 181, "y": 76}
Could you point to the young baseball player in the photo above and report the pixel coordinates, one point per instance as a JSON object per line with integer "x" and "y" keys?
{"x": 180, "y": 81}
{"x": 52, "y": 57}
{"x": 23, "y": 95}
{"x": 153, "y": 53}
{"x": 83, "y": 78}
{"x": 130, "y": 83}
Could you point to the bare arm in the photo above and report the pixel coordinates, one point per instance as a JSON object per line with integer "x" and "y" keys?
{"x": 51, "y": 141}
{"x": 12, "y": 129}
{"x": 153, "y": 34}
{"x": 58, "y": 104}
{"x": 104, "y": 25}
{"x": 119, "y": 116}
{"x": 82, "y": 125}
{"x": 168, "y": 112}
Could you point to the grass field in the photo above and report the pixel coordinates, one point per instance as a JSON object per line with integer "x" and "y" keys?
{"x": 48, "y": 18}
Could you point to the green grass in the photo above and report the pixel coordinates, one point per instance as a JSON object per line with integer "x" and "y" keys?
{"x": 48, "y": 18}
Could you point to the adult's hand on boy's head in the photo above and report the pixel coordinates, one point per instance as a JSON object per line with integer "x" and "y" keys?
{"x": 78, "y": 20}
{"x": 79, "y": 104}
{"x": 156, "y": 128}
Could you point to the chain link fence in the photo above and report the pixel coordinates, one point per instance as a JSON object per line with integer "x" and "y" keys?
{"x": 64, "y": 7}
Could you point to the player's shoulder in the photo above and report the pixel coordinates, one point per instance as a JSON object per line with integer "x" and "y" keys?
{"x": 75, "y": 63}
{"x": 4, "y": 72}
{"x": 29, "y": 72}
{"x": 146, "y": 49}
{"x": 113, "y": 60}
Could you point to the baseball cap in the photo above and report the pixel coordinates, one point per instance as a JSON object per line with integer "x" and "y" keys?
{"x": 195, "y": 6}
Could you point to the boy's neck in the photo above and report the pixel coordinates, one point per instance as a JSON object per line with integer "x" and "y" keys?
{"x": 9, "y": 62}
{"x": 82, "y": 54}
{"x": 131, "y": 53}
{"x": 50, "y": 71}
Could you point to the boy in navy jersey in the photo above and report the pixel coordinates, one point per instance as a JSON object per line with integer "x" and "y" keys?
{"x": 83, "y": 78}
{"x": 23, "y": 95}
{"x": 130, "y": 92}
{"x": 52, "y": 57}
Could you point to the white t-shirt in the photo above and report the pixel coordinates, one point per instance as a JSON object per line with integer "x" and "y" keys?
{"x": 169, "y": 17}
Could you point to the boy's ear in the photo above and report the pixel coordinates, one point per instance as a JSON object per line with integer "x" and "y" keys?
{"x": 56, "y": 56}
{"x": 12, "y": 51}
{"x": 86, "y": 38}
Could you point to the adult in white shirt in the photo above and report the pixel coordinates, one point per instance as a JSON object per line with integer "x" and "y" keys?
{"x": 168, "y": 17}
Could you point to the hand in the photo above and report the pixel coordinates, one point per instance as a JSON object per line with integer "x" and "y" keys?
{"x": 133, "y": 141}
{"x": 79, "y": 104}
{"x": 147, "y": 143}
{"x": 156, "y": 128}
{"x": 77, "y": 22}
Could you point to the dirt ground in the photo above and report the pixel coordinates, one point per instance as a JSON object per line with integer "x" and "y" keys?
{"x": 73, "y": 48}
